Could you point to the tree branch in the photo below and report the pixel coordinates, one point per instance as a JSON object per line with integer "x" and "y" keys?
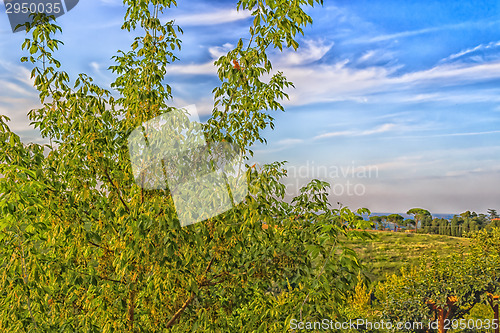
{"x": 180, "y": 311}
{"x": 131, "y": 307}
{"x": 190, "y": 299}
{"x": 25, "y": 279}
{"x": 101, "y": 247}
{"x": 117, "y": 189}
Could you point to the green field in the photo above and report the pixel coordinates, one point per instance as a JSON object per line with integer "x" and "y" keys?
{"x": 388, "y": 251}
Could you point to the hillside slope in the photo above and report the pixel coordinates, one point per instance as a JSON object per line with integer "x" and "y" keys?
{"x": 388, "y": 251}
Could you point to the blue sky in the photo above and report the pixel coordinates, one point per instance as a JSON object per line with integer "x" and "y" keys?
{"x": 397, "y": 102}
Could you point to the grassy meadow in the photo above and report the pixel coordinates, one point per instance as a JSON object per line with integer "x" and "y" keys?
{"x": 388, "y": 251}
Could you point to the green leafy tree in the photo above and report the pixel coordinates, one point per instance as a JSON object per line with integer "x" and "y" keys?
{"x": 383, "y": 222}
{"x": 434, "y": 227}
{"x": 483, "y": 219}
{"x": 458, "y": 222}
{"x": 437, "y": 289}
{"x": 492, "y": 213}
{"x": 446, "y": 288}
{"x": 360, "y": 307}
{"x": 418, "y": 215}
{"x": 495, "y": 223}
{"x": 376, "y": 220}
{"x": 408, "y": 222}
{"x": 455, "y": 228}
{"x": 85, "y": 249}
{"x": 465, "y": 215}
{"x": 396, "y": 219}
{"x": 486, "y": 244}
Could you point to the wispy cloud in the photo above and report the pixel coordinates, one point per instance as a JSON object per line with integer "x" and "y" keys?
{"x": 453, "y": 74}
{"x": 311, "y": 51}
{"x": 210, "y": 18}
{"x": 368, "y": 55}
{"x": 403, "y": 34}
{"x": 398, "y": 163}
{"x": 217, "y": 51}
{"x": 449, "y": 134}
{"x": 339, "y": 82}
{"x": 333, "y": 134}
{"x": 476, "y": 171}
{"x": 416, "y": 32}
{"x": 207, "y": 68}
{"x": 17, "y": 112}
{"x": 96, "y": 67}
{"x": 17, "y": 95}
{"x": 204, "y": 105}
{"x": 290, "y": 141}
{"x": 112, "y": 2}
{"x": 16, "y": 73}
{"x": 380, "y": 129}
{"x": 374, "y": 57}
{"x": 480, "y": 47}
{"x": 335, "y": 82}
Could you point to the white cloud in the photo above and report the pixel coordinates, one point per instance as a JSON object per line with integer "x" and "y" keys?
{"x": 290, "y": 141}
{"x": 312, "y": 51}
{"x": 267, "y": 152}
{"x": 480, "y": 47}
{"x": 456, "y": 96}
{"x": 207, "y": 68}
{"x": 211, "y": 17}
{"x": 468, "y": 172}
{"x": 452, "y": 134}
{"x": 452, "y": 74}
{"x": 316, "y": 83}
{"x": 339, "y": 82}
{"x": 368, "y": 55}
{"x": 436, "y": 163}
{"x": 16, "y": 73}
{"x": 17, "y": 96}
{"x": 399, "y": 163}
{"x": 411, "y": 33}
{"x": 372, "y": 57}
{"x": 204, "y": 105}
{"x": 217, "y": 51}
{"x": 112, "y": 2}
{"x": 333, "y": 134}
{"x": 17, "y": 112}
{"x": 321, "y": 83}
{"x": 96, "y": 67}
{"x": 399, "y": 35}
{"x": 14, "y": 88}
{"x": 380, "y": 129}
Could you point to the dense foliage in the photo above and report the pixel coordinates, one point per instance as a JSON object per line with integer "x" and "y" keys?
{"x": 84, "y": 248}
{"x": 457, "y": 292}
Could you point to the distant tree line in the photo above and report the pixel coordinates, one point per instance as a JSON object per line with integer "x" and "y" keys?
{"x": 423, "y": 222}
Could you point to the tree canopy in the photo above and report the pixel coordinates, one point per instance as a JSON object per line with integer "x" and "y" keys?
{"x": 85, "y": 248}
{"x": 446, "y": 288}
